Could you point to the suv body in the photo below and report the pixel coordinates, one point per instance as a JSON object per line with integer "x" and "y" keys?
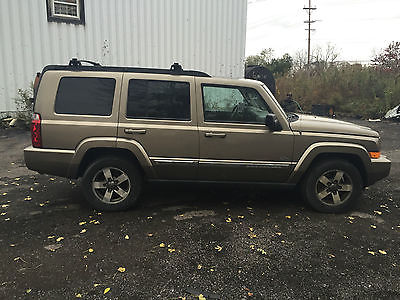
{"x": 108, "y": 124}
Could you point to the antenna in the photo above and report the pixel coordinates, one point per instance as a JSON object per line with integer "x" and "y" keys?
{"x": 309, "y": 21}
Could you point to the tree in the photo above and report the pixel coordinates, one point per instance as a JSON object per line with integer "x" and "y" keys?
{"x": 278, "y": 66}
{"x": 389, "y": 59}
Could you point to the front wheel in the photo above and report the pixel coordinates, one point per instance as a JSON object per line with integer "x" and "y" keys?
{"x": 332, "y": 186}
{"x": 112, "y": 184}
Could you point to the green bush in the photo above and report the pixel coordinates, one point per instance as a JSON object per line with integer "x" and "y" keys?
{"x": 354, "y": 90}
{"x": 24, "y": 106}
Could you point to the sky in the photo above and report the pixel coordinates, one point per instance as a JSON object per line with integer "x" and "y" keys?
{"x": 358, "y": 29}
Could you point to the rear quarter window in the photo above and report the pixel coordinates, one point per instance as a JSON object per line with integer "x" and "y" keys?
{"x": 85, "y": 96}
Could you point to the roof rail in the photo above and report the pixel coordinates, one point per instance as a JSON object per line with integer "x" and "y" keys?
{"x": 76, "y": 65}
{"x": 74, "y": 62}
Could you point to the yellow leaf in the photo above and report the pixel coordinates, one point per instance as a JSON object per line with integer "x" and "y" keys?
{"x": 7, "y": 219}
{"x": 162, "y": 245}
{"x": 278, "y": 233}
{"x": 228, "y": 220}
{"x": 59, "y": 239}
{"x": 41, "y": 204}
{"x": 3, "y": 213}
{"x": 171, "y": 250}
{"x": 82, "y": 223}
{"x": 241, "y": 217}
{"x": 78, "y": 296}
{"x": 201, "y": 297}
{"x": 4, "y": 194}
{"x": 17, "y": 178}
{"x": 106, "y": 290}
{"x": 28, "y": 291}
{"x": 218, "y": 248}
{"x": 371, "y": 252}
{"x": 5, "y": 206}
{"x": 83, "y": 231}
{"x": 251, "y": 228}
{"x": 96, "y": 222}
{"x": 121, "y": 269}
{"x": 288, "y": 217}
{"x": 199, "y": 267}
{"x": 149, "y": 234}
{"x": 331, "y": 255}
{"x": 149, "y": 218}
{"x": 51, "y": 179}
{"x": 127, "y": 237}
{"x": 28, "y": 198}
{"x": 12, "y": 245}
{"x": 252, "y": 235}
{"x": 377, "y": 212}
{"x": 350, "y": 218}
{"x": 90, "y": 250}
{"x": 373, "y": 226}
{"x": 382, "y": 252}
{"x": 51, "y": 236}
{"x": 96, "y": 284}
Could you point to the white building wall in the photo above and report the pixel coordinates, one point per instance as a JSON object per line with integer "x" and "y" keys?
{"x": 206, "y": 35}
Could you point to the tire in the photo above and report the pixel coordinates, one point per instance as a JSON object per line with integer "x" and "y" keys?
{"x": 332, "y": 186}
{"x": 112, "y": 184}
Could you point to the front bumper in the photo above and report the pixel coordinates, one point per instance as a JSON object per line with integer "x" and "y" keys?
{"x": 379, "y": 169}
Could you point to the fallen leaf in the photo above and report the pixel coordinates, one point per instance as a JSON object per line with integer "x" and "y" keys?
{"x": 249, "y": 208}
{"x": 106, "y": 290}
{"x": 218, "y": 248}
{"x": 82, "y": 223}
{"x": 149, "y": 234}
{"x": 96, "y": 284}
{"x": 199, "y": 267}
{"x": 251, "y": 228}
{"x": 241, "y": 217}
{"x": 149, "y": 218}
{"x": 127, "y": 237}
{"x": 28, "y": 198}
{"x": 249, "y": 294}
{"x": 201, "y": 297}
{"x": 4, "y": 194}
{"x": 3, "y": 213}
{"x": 331, "y": 256}
{"x": 170, "y": 250}
{"x": 252, "y": 235}
{"x": 278, "y": 233}
{"x": 162, "y": 245}
{"x": 5, "y": 206}
{"x": 96, "y": 222}
{"x": 28, "y": 291}
{"x": 78, "y": 296}
{"x": 51, "y": 236}
{"x": 288, "y": 217}
{"x": 59, "y": 239}
{"x": 7, "y": 219}
{"x": 383, "y": 252}
{"x": 12, "y": 245}
{"x": 228, "y": 220}
{"x": 377, "y": 212}
{"x": 373, "y": 226}
{"x": 41, "y": 204}
{"x": 90, "y": 250}
{"x": 83, "y": 231}
{"x": 371, "y": 252}
{"x": 51, "y": 179}
{"x": 263, "y": 252}
{"x": 17, "y": 178}
{"x": 121, "y": 269}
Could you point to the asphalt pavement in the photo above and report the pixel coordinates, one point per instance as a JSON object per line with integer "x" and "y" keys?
{"x": 216, "y": 242}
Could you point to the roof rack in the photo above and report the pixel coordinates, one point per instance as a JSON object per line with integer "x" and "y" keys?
{"x": 76, "y": 65}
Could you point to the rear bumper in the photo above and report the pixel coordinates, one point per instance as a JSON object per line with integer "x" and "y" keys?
{"x": 380, "y": 168}
{"x": 49, "y": 161}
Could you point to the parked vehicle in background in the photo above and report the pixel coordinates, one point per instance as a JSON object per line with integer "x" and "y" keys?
{"x": 394, "y": 113}
{"x": 117, "y": 127}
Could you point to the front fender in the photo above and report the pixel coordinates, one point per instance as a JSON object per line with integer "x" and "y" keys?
{"x": 328, "y": 148}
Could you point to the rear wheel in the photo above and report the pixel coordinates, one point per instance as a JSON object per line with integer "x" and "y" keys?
{"x": 333, "y": 186}
{"x": 112, "y": 184}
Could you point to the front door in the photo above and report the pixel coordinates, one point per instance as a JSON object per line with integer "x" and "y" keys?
{"x": 157, "y": 112}
{"x": 235, "y": 143}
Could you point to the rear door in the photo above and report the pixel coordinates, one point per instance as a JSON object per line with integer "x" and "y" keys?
{"x": 157, "y": 112}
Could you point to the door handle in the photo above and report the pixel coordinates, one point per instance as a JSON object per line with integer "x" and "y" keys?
{"x": 134, "y": 131}
{"x": 214, "y": 134}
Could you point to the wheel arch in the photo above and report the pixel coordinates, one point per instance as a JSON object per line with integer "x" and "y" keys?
{"x": 352, "y": 153}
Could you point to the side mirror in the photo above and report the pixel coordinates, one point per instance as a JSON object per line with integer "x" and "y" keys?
{"x": 271, "y": 121}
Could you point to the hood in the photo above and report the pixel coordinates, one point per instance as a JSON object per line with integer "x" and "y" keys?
{"x": 310, "y": 123}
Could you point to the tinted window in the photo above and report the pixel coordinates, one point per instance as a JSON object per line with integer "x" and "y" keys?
{"x": 155, "y": 99}
{"x": 85, "y": 96}
{"x": 233, "y": 104}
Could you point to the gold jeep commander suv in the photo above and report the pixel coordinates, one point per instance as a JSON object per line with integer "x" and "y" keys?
{"x": 117, "y": 127}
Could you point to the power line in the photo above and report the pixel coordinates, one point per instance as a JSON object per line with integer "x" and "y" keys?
{"x": 309, "y": 29}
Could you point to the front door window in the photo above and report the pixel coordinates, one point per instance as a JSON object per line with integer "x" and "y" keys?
{"x": 233, "y": 105}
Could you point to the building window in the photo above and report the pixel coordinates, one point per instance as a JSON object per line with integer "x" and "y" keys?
{"x": 66, "y": 11}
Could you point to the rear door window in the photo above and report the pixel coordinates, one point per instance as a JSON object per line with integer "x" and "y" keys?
{"x": 85, "y": 96}
{"x": 158, "y": 99}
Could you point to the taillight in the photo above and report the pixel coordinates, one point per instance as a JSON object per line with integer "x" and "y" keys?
{"x": 36, "y": 131}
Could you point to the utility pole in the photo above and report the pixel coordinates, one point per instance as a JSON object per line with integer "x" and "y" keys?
{"x": 309, "y": 21}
